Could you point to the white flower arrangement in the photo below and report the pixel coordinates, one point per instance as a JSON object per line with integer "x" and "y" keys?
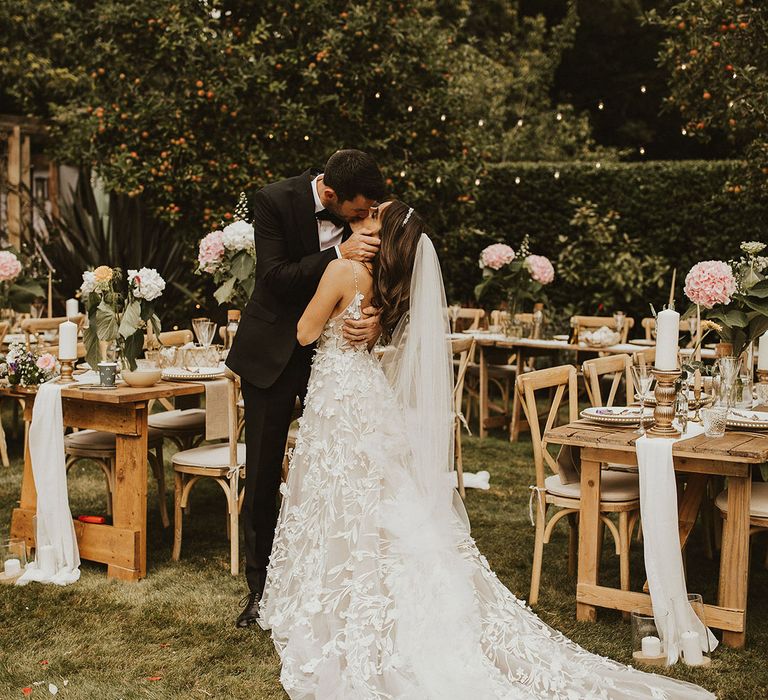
{"x": 146, "y": 283}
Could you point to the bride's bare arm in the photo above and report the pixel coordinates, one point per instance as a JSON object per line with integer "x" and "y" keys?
{"x": 329, "y": 292}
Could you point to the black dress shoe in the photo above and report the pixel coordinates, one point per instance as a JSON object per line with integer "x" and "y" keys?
{"x": 250, "y": 613}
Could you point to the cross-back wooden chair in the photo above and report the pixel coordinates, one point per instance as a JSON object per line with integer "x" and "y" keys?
{"x": 34, "y": 328}
{"x": 464, "y": 348}
{"x": 468, "y": 319}
{"x": 617, "y": 367}
{"x": 591, "y": 323}
{"x": 223, "y": 462}
{"x": 758, "y": 510}
{"x": 620, "y": 491}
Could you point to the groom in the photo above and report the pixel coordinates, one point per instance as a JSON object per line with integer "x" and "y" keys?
{"x": 300, "y": 225}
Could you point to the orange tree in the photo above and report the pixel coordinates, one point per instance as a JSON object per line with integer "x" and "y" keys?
{"x": 716, "y": 52}
{"x": 185, "y": 103}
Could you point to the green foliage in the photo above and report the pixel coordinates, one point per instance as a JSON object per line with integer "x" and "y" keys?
{"x": 679, "y": 211}
{"x": 187, "y": 103}
{"x": 716, "y": 54}
{"x": 128, "y": 237}
{"x": 608, "y": 265}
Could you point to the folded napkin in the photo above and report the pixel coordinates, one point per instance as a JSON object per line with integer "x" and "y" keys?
{"x": 479, "y": 480}
{"x": 663, "y": 558}
{"x": 216, "y": 409}
{"x": 57, "y": 559}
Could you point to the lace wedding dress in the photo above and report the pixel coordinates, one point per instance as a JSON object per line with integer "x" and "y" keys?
{"x": 375, "y": 589}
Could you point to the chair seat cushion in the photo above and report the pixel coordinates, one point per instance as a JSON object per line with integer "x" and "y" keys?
{"x": 100, "y": 440}
{"x": 758, "y": 505}
{"x": 187, "y": 419}
{"x": 213, "y": 456}
{"x": 615, "y": 486}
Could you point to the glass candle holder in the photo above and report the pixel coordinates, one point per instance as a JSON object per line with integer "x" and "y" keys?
{"x": 14, "y": 559}
{"x": 694, "y": 644}
{"x": 648, "y": 644}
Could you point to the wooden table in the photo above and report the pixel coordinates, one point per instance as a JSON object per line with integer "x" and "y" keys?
{"x": 700, "y": 458}
{"x": 521, "y": 346}
{"x": 123, "y": 411}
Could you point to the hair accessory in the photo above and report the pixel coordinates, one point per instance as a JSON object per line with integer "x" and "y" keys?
{"x": 407, "y": 216}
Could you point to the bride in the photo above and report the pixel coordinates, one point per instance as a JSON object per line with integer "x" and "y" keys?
{"x": 375, "y": 588}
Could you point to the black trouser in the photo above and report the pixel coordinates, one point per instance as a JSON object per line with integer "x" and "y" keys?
{"x": 267, "y": 419}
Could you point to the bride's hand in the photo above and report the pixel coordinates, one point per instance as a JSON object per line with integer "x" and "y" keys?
{"x": 365, "y": 330}
{"x": 360, "y": 246}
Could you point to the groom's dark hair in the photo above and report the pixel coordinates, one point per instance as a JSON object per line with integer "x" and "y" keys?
{"x": 350, "y": 173}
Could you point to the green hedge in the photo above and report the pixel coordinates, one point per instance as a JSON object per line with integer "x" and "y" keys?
{"x": 682, "y": 210}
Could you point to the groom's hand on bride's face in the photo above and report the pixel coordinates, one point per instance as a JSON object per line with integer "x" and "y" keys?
{"x": 365, "y": 330}
{"x": 360, "y": 246}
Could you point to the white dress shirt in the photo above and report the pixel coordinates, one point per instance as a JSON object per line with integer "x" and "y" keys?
{"x": 328, "y": 233}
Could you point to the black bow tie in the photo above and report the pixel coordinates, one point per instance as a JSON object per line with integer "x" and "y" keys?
{"x": 325, "y": 215}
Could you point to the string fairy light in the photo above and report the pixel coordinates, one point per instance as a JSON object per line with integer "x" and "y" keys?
{"x": 517, "y": 180}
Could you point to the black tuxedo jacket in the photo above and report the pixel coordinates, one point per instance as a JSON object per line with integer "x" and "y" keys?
{"x": 289, "y": 265}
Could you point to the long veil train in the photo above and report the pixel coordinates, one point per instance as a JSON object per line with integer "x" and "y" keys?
{"x": 375, "y": 588}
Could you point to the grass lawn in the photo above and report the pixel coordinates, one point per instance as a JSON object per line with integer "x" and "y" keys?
{"x": 109, "y": 639}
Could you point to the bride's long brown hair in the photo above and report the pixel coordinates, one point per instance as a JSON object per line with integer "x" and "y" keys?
{"x": 393, "y": 266}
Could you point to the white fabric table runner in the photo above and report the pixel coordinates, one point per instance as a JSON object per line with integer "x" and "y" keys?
{"x": 57, "y": 559}
{"x": 663, "y": 558}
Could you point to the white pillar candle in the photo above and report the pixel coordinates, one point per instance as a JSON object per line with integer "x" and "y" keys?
{"x": 73, "y": 307}
{"x": 12, "y": 567}
{"x": 67, "y": 341}
{"x": 46, "y": 559}
{"x": 667, "y": 336}
{"x": 762, "y": 352}
{"x": 651, "y": 646}
{"x": 691, "y": 646}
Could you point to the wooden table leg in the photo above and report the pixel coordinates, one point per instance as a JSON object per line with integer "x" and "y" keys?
{"x": 483, "y": 392}
{"x": 129, "y": 499}
{"x": 589, "y": 522}
{"x": 21, "y": 518}
{"x": 734, "y": 558}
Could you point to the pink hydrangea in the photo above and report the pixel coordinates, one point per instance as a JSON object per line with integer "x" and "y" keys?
{"x": 540, "y": 268}
{"x": 496, "y": 256}
{"x": 211, "y": 251}
{"x": 10, "y": 267}
{"x": 710, "y": 283}
{"x": 46, "y": 362}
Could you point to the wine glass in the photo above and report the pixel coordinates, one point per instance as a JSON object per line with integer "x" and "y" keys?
{"x": 204, "y": 329}
{"x": 643, "y": 378}
{"x": 453, "y": 311}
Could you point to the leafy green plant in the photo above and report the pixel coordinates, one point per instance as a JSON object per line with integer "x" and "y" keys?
{"x": 606, "y": 265}
{"x": 121, "y": 235}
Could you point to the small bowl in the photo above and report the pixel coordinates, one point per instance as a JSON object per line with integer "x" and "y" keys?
{"x": 142, "y": 377}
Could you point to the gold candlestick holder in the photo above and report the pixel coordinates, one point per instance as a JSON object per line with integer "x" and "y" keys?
{"x": 664, "y": 411}
{"x": 67, "y": 368}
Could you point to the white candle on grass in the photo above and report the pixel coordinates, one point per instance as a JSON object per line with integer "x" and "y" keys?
{"x": 67, "y": 341}
{"x": 667, "y": 337}
{"x": 73, "y": 308}
{"x": 762, "y": 352}
{"x": 691, "y": 645}
{"x": 12, "y": 567}
{"x": 651, "y": 646}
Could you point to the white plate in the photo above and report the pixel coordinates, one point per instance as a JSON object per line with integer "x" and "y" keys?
{"x": 561, "y": 337}
{"x": 742, "y": 418}
{"x": 181, "y": 374}
{"x": 643, "y": 341}
{"x": 615, "y": 415}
